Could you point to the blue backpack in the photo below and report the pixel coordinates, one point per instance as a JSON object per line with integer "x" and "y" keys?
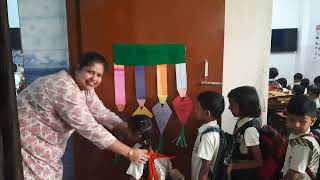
{"x": 226, "y": 146}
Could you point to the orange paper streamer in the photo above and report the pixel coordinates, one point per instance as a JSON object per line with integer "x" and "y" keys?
{"x": 153, "y": 175}
{"x": 162, "y": 84}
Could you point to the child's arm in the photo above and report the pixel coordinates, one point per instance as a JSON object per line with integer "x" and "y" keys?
{"x": 256, "y": 161}
{"x": 293, "y": 175}
{"x": 204, "y": 170}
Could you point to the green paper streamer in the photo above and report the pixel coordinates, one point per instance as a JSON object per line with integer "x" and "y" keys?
{"x": 180, "y": 141}
{"x": 161, "y": 144}
{"x": 148, "y": 54}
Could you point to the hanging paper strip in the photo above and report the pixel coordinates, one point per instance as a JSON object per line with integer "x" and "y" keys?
{"x": 162, "y": 113}
{"x": 162, "y": 84}
{"x": 119, "y": 87}
{"x": 141, "y": 92}
{"x": 149, "y": 54}
{"x": 140, "y": 85}
{"x": 182, "y": 103}
{"x": 181, "y": 79}
{"x": 183, "y": 109}
{"x": 142, "y": 111}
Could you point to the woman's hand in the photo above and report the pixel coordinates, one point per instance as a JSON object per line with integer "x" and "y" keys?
{"x": 138, "y": 156}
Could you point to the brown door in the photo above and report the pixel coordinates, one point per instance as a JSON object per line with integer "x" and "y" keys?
{"x": 96, "y": 24}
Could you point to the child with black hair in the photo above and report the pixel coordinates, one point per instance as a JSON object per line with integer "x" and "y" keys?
{"x": 305, "y": 82}
{"x": 142, "y": 126}
{"x": 208, "y": 110}
{"x": 246, "y": 157}
{"x": 283, "y": 83}
{"x": 302, "y": 155}
{"x": 297, "y": 78}
{"x": 314, "y": 92}
{"x": 273, "y": 73}
{"x": 316, "y": 80}
{"x": 298, "y": 89}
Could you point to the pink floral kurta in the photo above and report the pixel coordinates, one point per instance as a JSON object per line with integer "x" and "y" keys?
{"x": 50, "y": 109}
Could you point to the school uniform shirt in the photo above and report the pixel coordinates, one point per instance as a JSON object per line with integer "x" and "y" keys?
{"x": 250, "y": 136}
{"x": 206, "y": 149}
{"x": 50, "y": 110}
{"x": 300, "y": 156}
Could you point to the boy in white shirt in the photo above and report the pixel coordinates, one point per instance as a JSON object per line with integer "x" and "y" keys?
{"x": 302, "y": 156}
{"x": 208, "y": 109}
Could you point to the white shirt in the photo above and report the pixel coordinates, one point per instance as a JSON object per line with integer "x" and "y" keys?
{"x": 299, "y": 157}
{"x": 206, "y": 149}
{"x": 250, "y": 137}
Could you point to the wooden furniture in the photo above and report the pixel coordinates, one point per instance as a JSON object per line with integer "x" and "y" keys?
{"x": 277, "y": 104}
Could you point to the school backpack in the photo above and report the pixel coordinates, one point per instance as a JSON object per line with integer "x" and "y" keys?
{"x": 273, "y": 146}
{"x": 225, "y": 150}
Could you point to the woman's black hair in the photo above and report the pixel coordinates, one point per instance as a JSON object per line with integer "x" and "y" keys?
{"x": 90, "y": 58}
{"x": 273, "y": 72}
{"x": 305, "y": 82}
{"x": 248, "y": 100}
{"x": 213, "y": 102}
{"x": 283, "y": 82}
{"x": 302, "y": 105}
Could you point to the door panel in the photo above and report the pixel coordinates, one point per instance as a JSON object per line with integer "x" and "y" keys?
{"x": 96, "y": 24}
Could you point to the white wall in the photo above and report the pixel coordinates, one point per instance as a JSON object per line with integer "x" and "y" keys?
{"x": 285, "y": 14}
{"x": 304, "y": 15}
{"x": 311, "y": 67}
{"x": 246, "y": 50}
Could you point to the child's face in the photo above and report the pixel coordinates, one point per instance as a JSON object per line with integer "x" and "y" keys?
{"x": 234, "y": 107}
{"x": 200, "y": 113}
{"x": 299, "y": 124}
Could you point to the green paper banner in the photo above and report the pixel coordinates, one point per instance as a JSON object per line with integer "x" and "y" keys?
{"x": 148, "y": 54}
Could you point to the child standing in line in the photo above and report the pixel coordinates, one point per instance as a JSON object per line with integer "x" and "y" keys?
{"x": 302, "y": 156}
{"x": 208, "y": 109}
{"x": 246, "y": 157}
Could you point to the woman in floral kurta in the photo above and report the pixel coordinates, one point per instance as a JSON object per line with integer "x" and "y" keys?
{"x": 53, "y": 107}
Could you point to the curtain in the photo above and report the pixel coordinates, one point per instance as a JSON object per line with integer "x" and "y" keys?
{"x": 10, "y": 152}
